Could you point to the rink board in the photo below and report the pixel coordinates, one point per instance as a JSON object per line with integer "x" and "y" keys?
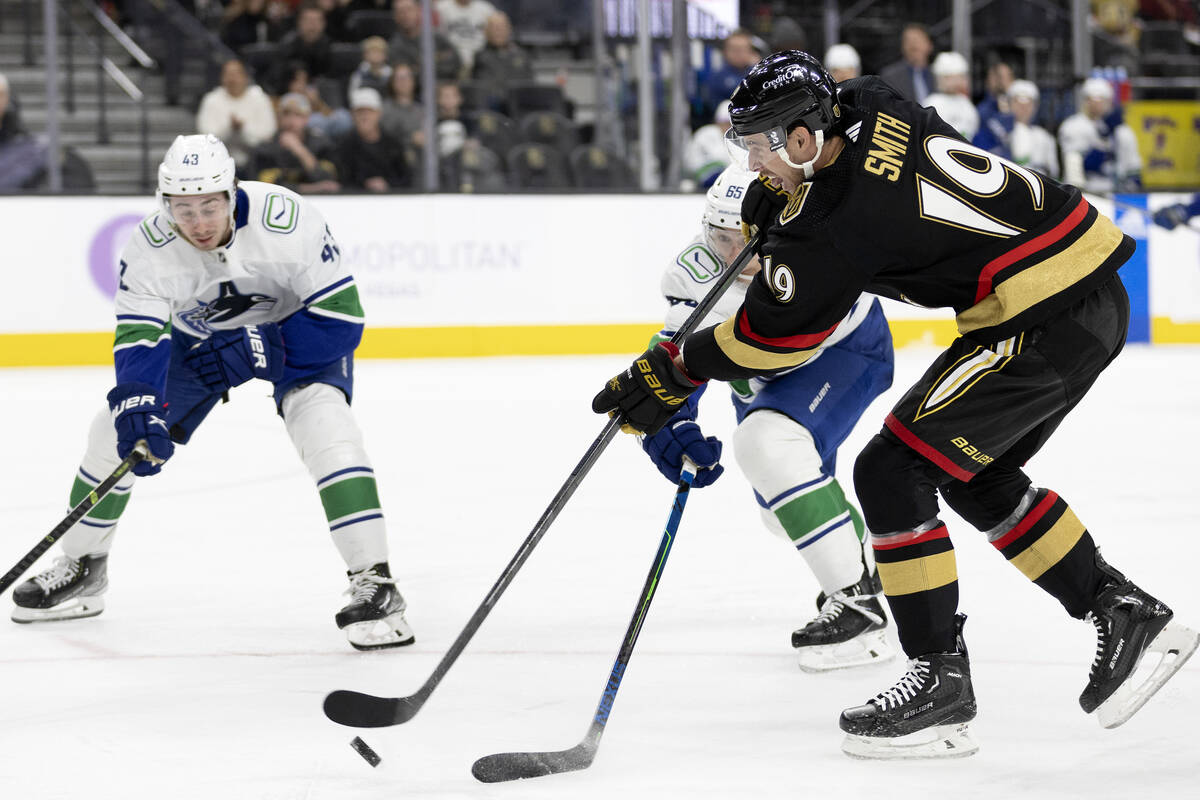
{"x": 453, "y": 276}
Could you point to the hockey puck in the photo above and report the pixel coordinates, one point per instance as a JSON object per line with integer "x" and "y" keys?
{"x": 364, "y": 750}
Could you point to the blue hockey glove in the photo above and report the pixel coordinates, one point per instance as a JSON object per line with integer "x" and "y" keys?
{"x": 139, "y": 417}
{"x": 1171, "y": 216}
{"x": 230, "y": 358}
{"x": 682, "y": 437}
{"x": 1094, "y": 159}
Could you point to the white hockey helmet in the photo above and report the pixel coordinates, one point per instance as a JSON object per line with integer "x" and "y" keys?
{"x": 1097, "y": 87}
{"x": 723, "y": 203}
{"x": 196, "y": 164}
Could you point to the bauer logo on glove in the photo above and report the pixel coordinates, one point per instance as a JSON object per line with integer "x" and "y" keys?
{"x": 654, "y": 390}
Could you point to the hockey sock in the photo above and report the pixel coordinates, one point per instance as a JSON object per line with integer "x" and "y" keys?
{"x": 1046, "y": 541}
{"x": 780, "y": 459}
{"x": 920, "y": 580}
{"x": 329, "y": 442}
{"x": 93, "y": 534}
{"x": 824, "y": 527}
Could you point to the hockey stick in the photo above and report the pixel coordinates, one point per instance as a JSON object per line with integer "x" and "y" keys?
{"x": 359, "y": 710}
{"x": 514, "y": 766}
{"x": 85, "y": 505}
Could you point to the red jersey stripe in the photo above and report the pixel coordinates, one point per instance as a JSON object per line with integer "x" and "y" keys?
{"x": 800, "y": 342}
{"x": 1029, "y": 248}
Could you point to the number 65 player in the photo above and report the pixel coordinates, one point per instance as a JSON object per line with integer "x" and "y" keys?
{"x": 224, "y": 283}
{"x": 885, "y": 197}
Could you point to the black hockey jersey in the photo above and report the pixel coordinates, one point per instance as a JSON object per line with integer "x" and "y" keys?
{"x": 911, "y": 211}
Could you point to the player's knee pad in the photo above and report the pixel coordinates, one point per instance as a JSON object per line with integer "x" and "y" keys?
{"x": 775, "y": 452}
{"x": 990, "y": 498}
{"x": 101, "y": 457}
{"x": 896, "y": 487}
{"x": 323, "y": 429}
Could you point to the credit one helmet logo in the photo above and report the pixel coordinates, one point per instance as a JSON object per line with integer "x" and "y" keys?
{"x": 104, "y": 253}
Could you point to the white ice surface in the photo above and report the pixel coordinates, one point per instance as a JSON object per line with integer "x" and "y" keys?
{"x": 205, "y": 675}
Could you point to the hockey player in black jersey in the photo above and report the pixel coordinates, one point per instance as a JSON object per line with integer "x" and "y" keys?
{"x": 880, "y": 195}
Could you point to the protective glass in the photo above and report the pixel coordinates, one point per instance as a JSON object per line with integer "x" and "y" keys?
{"x": 755, "y": 149}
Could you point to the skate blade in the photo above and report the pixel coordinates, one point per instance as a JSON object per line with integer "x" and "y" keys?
{"x": 1174, "y": 645}
{"x": 378, "y": 634}
{"x": 938, "y": 741}
{"x": 868, "y": 648}
{"x": 75, "y": 608}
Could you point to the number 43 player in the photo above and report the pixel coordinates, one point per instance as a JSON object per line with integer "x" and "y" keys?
{"x": 227, "y": 282}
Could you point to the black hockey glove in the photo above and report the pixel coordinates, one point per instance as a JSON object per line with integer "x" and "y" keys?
{"x": 649, "y": 392}
{"x": 761, "y": 207}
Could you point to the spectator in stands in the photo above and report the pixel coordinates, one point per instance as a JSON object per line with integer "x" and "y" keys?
{"x": 910, "y": 76}
{"x": 1014, "y": 135}
{"x": 406, "y": 42}
{"x": 995, "y": 99}
{"x": 333, "y": 122}
{"x": 843, "y": 62}
{"x": 402, "y": 115}
{"x": 298, "y": 156}
{"x": 309, "y": 44}
{"x": 335, "y": 12}
{"x": 374, "y": 72}
{"x": 501, "y": 62}
{"x": 741, "y": 50}
{"x": 237, "y": 112}
{"x": 251, "y": 21}
{"x": 952, "y": 100}
{"x": 371, "y": 159}
{"x": 22, "y": 157}
{"x": 787, "y": 34}
{"x": 706, "y": 155}
{"x": 1099, "y": 150}
{"x": 463, "y": 23}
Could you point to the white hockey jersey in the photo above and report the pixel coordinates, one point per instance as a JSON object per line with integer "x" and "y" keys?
{"x": 958, "y": 112}
{"x": 282, "y": 265}
{"x": 1120, "y": 162}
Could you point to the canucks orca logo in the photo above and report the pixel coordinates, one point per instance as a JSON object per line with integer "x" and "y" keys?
{"x": 229, "y": 305}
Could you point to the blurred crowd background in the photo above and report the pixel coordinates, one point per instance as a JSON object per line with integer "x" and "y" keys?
{"x": 543, "y": 95}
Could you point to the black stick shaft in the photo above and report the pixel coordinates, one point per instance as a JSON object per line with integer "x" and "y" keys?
{"x": 360, "y": 710}
{"x": 76, "y": 513}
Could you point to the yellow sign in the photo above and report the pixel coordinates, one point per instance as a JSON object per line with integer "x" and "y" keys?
{"x": 1168, "y": 134}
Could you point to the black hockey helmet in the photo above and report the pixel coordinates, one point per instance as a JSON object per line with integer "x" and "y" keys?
{"x": 781, "y": 91}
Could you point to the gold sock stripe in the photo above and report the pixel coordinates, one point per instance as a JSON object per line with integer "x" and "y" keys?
{"x": 1050, "y": 547}
{"x": 918, "y": 574}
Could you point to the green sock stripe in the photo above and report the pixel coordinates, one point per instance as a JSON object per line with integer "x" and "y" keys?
{"x": 109, "y": 509}
{"x": 860, "y": 527}
{"x": 350, "y": 496}
{"x": 812, "y": 512}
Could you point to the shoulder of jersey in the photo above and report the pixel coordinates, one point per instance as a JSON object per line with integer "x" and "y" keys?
{"x": 272, "y": 208}
{"x": 690, "y": 274}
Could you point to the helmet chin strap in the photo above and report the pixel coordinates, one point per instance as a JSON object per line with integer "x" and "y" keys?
{"x": 807, "y": 166}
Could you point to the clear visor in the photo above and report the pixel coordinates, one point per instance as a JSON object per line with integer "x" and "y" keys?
{"x": 752, "y": 151}
{"x": 726, "y": 244}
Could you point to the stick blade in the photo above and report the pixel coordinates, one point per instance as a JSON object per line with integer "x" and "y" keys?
{"x": 358, "y": 710}
{"x": 500, "y": 767}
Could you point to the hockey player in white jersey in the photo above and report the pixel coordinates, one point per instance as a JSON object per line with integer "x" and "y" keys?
{"x": 789, "y": 430}
{"x": 224, "y": 283}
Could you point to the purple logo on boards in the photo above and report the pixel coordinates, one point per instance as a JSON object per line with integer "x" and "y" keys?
{"x": 105, "y": 251}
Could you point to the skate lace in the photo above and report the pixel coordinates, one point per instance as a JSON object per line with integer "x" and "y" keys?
{"x": 831, "y": 610}
{"x": 906, "y": 688}
{"x": 363, "y": 585}
{"x": 64, "y": 571}
{"x": 1102, "y": 632}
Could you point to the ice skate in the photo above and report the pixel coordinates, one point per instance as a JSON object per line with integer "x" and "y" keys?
{"x": 374, "y": 619}
{"x": 1129, "y": 625}
{"x": 70, "y": 589}
{"x": 924, "y": 715}
{"x": 850, "y": 631}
